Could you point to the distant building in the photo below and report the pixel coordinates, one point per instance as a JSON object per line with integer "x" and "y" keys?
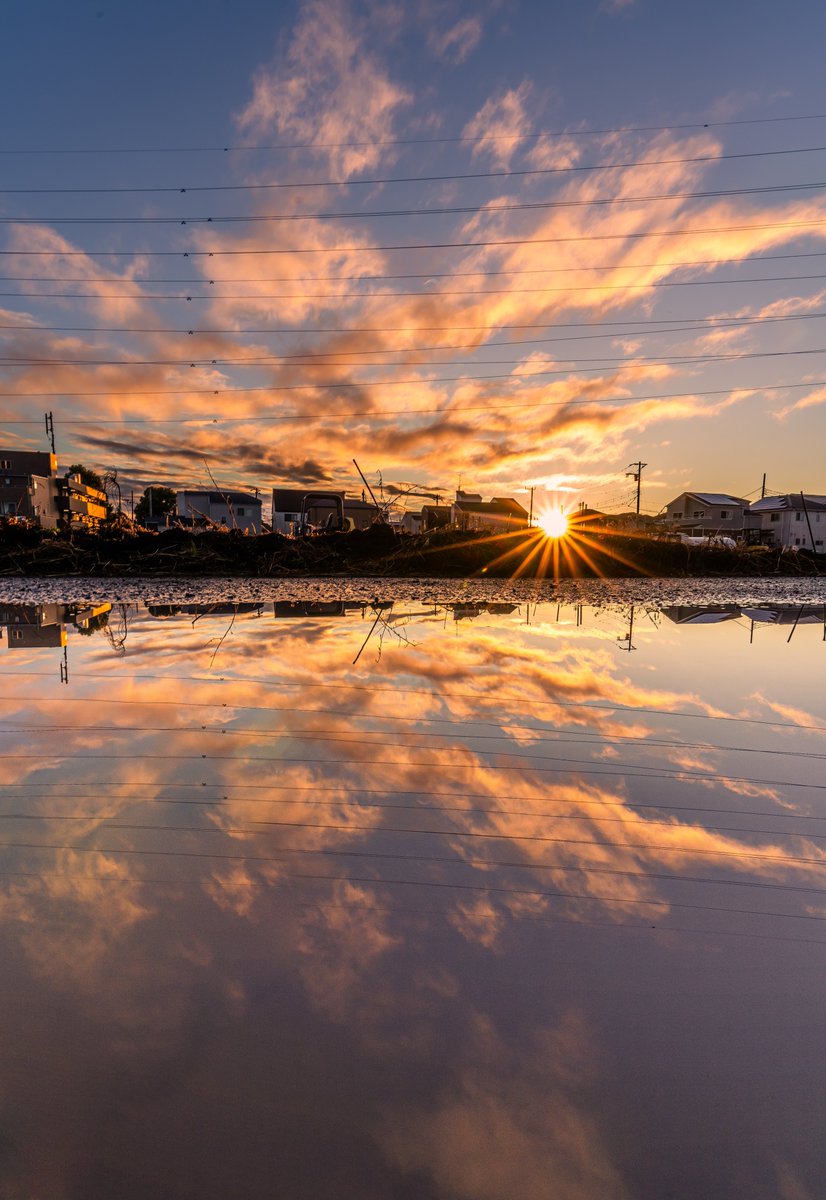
{"x": 701, "y": 514}
{"x": 31, "y": 491}
{"x": 287, "y": 504}
{"x": 794, "y": 521}
{"x": 233, "y": 510}
{"x": 500, "y": 515}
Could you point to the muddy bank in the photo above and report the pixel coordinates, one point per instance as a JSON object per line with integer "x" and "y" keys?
{"x": 379, "y": 551}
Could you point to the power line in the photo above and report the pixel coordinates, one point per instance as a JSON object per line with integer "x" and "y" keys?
{"x": 420, "y": 141}
{"x": 370, "y": 249}
{"x": 594, "y": 287}
{"x": 703, "y": 323}
{"x": 508, "y": 173}
{"x": 612, "y": 363}
{"x": 555, "y": 270}
{"x": 448, "y": 210}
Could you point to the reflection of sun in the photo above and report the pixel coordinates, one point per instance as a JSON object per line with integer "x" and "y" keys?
{"x": 554, "y": 524}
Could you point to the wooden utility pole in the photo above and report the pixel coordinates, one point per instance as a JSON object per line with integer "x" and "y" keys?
{"x": 763, "y": 488}
{"x": 50, "y": 429}
{"x": 808, "y": 522}
{"x": 530, "y": 515}
{"x": 634, "y": 471}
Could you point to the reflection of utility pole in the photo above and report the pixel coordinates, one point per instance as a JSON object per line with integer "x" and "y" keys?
{"x": 629, "y": 636}
{"x": 64, "y": 666}
{"x": 635, "y": 472}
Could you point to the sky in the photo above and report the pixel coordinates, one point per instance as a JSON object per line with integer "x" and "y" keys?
{"x": 251, "y": 242}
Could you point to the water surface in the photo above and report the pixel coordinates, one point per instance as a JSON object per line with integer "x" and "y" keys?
{"x": 389, "y": 898}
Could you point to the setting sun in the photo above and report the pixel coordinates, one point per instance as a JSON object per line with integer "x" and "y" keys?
{"x": 554, "y": 524}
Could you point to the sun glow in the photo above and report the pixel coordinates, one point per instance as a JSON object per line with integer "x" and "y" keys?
{"x": 554, "y": 524}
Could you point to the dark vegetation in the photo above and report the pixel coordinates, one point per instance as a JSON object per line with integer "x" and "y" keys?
{"x": 375, "y": 551}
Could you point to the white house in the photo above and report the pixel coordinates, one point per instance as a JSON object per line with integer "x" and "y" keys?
{"x": 794, "y": 520}
{"x": 707, "y": 514}
{"x": 235, "y": 510}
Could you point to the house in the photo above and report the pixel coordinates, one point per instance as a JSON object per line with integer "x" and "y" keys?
{"x": 704, "y": 514}
{"x": 795, "y": 521}
{"x": 322, "y": 505}
{"x": 499, "y": 515}
{"x": 233, "y": 510}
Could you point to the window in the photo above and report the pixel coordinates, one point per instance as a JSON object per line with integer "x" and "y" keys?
{"x": 5, "y": 464}
{"x": 16, "y": 635}
{"x": 774, "y": 517}
{"x": 725, "y": 515}
{"x": 678, "y": 514}
{"x": 242, "y": 512}
{"x": 798, "y": 516}
{"x": 797, "y": 541}
{"x": 699, "y": 512}
{"x": 819, "y": 542}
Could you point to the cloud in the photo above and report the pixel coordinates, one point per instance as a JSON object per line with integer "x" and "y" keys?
{"x": 457, "y": 43}
{"x": 328, "y": 89}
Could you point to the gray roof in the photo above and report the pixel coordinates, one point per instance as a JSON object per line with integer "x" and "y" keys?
{"x": 791, "y": 503}
{"x": 715, "y": 498}
{"x": 224, "y": 497}
{"x": 499, "y": 506}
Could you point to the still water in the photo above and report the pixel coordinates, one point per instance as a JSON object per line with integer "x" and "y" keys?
{"x": 361, "y": 899}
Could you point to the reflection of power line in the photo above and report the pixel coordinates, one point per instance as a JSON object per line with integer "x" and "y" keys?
{"x": 313, "y": 685}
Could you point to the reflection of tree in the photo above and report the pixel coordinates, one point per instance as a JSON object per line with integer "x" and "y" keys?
{"x": 98, "y": 622}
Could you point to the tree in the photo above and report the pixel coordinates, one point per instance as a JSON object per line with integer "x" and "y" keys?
{"x": 164, "y": 502}
{"x": 87, "y": 476}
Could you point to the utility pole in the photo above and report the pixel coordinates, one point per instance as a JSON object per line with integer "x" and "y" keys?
{"x": 808, "y": 522}
{"x": 634, "y": 471}
{"x": 50, "y": 429}
{"x": 530, "y": 515}
{"x": 763, "y": 487}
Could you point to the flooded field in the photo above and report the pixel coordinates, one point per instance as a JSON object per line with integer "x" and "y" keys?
{"x": 329, "y": 891}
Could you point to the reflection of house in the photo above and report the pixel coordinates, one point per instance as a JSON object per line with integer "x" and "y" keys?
{"x": 792, "y": 520}
{"x": 707, "y": 513}
{"x": 32, "y": 626}
{"x": 709, "y": 614}
{"x": 287, "y": 504}
{"x": 282, "y": 609}
{"x": 501, "y": 514}
{"x": 234, "y": 510}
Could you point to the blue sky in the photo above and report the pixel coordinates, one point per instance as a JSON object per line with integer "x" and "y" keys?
{"x": 124, "y": 77}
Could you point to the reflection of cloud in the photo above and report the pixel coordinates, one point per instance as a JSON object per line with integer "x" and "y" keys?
{"x": 512, "y": 1123}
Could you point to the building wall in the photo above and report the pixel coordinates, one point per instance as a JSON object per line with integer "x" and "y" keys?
{"x": 30, "y": 496}
{"x": 788, "y": 527}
